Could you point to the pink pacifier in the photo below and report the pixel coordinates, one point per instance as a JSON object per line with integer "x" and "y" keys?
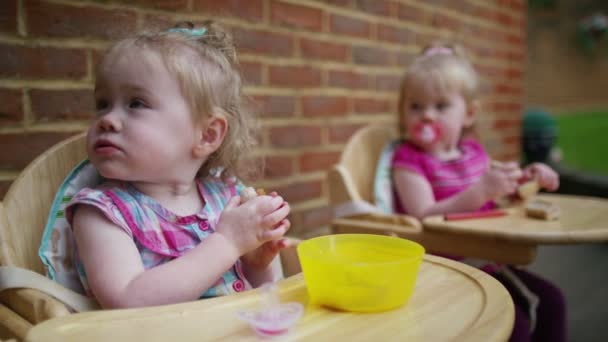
{"x": 427, "y": 133}
{"x": 273, "y": 318}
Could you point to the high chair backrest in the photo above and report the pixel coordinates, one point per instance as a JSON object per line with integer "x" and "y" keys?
{"x": 352, "y": 179}
{"x": 27, "y": 203}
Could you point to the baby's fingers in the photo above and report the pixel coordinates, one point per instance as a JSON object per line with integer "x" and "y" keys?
{"x": 287, "y": 243}
{"x": 275, "y": 234}
{"x": 549, "y": 181}
{"x": 268, "y": 204}
{"x": 514, "y": 174}
{"x": 276, "y": 216}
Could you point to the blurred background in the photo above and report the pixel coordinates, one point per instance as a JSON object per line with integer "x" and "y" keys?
{"x": 317, "y": 70}
{"x": 566, "y": 123}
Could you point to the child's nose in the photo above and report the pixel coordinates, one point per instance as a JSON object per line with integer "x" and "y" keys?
{"x": 428, "y": 115}
{"x": 110, "y": 122}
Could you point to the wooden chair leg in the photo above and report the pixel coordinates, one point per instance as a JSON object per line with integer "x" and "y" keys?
{"x": 289, "y": 259}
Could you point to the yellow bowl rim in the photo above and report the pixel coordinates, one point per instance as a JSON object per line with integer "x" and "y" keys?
{"x": 418, "y": 247}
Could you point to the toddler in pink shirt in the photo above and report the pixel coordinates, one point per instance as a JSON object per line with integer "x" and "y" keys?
{"x": 439, "y": 170}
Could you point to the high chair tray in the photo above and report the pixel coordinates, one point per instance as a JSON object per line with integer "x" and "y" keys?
{"x": 582, "y": 220}
{"x": 452, "y": 301}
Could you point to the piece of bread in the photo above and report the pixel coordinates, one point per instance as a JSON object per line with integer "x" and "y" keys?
{"x": 249, "y": 193}
{"x": 528, "y": 189}
{"x": 542, "y": 210}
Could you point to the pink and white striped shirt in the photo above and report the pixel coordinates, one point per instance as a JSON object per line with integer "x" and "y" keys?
{"x": 446, "y": 178}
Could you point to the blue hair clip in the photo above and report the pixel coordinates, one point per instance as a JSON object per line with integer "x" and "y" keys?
{"x": 199, "y": 32}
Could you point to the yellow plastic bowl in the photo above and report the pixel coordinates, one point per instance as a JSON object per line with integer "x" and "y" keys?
{"x": 360, "y": 272}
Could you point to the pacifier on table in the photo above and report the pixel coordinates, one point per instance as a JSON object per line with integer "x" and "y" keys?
{"x": 427, "y": 133}
{"x": 273, "y": 318}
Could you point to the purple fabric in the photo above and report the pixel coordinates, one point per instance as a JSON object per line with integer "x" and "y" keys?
{"x": 551, "y": 314}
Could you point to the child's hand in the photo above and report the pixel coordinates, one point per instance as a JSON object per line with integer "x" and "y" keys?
{"x": 249, "y": 225}
{"x": 546, "y": 177}
{"x": 499, "y": 180}
{"x": 261, "y": 257}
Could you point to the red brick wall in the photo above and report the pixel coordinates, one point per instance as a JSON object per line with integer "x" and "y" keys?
{"x": 318, "y": 70}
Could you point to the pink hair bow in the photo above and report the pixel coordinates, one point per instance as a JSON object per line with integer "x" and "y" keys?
{"x": 438, "y": 50}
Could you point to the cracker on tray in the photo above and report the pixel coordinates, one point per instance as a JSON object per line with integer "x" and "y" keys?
{"x": 543, "y": 210}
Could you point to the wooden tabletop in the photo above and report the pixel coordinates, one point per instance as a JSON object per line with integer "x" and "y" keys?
{"x": 452, "y": 301}
{"x": 582, "y": 220}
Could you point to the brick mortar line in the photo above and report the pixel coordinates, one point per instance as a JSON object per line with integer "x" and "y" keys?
{"x": 73, "y": 43}
{"x": 9, "y": 174}
{"x": 310, "y": 204}
{"x": 332, "y": 91}
{"x": 322, "y": 123}
{"x": 271, "y": 152}
{"x": 316, "y": 121}
{"x": 295, "y": 178}
{"x": 56, "y": 127}
{"x": 90, "y": 69}
{"x": 324, "y": 136}
{"x": 367, "y": 91}
{"x": 297, "y": 165}
{"x": 316, "y": 91}
{"x": 28, "y": 116}
{"x": 21, "y": 18}
{"x": 296, "y": 152}
{"x": 321, "y": 64}
{"x": 46, "y": 84}
{"x": 139, "y": 20}
{"x": 387, "y": 71}
{"x": 364, "y": 68}
{"x": 503, "y": 98}
{"x": 314, "y": 149}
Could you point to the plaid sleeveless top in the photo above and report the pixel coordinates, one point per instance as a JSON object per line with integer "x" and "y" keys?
{"x": 159, "y": 234}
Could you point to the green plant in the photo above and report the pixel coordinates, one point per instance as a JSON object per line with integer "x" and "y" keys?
{"x": 591, "y": 30}
{"x": 583, "y": 141}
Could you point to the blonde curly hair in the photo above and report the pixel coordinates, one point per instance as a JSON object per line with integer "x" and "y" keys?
{"x": 207, "y": 68}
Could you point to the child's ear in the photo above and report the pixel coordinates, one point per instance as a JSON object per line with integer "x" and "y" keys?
{"x": 212, "y": 133}
{"x": 471, "y": 114}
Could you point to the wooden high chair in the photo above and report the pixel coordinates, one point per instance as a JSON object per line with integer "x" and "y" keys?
{"x": 351, "y": 185}
{"x": 23, "y": 215}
